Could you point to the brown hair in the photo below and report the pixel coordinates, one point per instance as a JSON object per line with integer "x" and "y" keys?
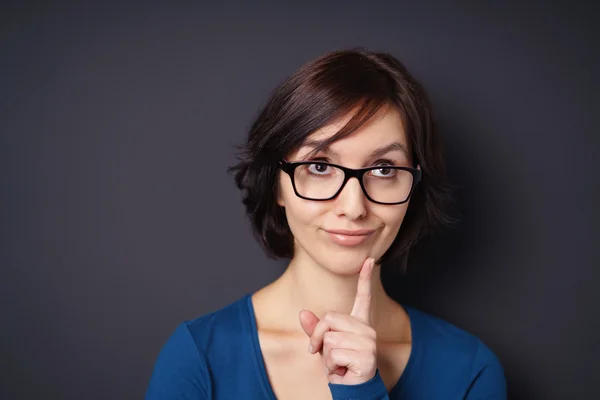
{"x": 318, "y": 94}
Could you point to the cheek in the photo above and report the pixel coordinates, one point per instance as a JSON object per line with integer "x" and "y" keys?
{"x": 300, "y": 213}
{"x": 304, "y": 212}
{"x": 392, "y": 218}
{"x": 392, "y": 221}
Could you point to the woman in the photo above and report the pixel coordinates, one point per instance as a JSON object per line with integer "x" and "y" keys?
{"x": 342, "y": 172}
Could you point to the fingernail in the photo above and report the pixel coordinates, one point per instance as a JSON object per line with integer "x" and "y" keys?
{"x": 372, "y": 263}
{"x": 310, "y": 348}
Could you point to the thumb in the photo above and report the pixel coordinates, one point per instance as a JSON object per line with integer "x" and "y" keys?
{"x": 308, "y": 321}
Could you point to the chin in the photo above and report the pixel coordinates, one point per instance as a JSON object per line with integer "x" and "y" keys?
{"x": 344, "y": 261}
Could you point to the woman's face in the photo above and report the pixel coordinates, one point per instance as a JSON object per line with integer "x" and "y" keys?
{"x": 312, "y": 222}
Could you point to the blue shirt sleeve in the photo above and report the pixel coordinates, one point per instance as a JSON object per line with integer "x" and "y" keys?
{"x": 489, "y": 382}
{"x": 180, "y": 372}
{"x": 374, "y": 389}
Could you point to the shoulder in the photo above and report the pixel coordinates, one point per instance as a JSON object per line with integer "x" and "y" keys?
{"x": 184, "y": 363}
{"x": 454, "y": 355}
{"x": 220, "y": 327}
{"x": 447, "y": 340}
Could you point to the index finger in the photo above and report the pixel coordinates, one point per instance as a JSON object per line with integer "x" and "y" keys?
{"x": 362, "y": 303}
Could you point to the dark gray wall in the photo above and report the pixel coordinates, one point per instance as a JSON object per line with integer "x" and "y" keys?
{"x": 118, "y": 219}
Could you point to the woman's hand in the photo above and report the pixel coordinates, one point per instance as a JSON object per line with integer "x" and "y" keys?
{"x": 347, "y": 343}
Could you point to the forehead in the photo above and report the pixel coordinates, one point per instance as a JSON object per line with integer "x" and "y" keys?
{"x": 383, "y": 128}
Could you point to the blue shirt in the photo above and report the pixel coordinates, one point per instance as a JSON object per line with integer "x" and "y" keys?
{"x": 218, "y": 356}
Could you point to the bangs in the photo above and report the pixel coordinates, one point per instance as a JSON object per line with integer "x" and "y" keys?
{"x": 364, "y": 111}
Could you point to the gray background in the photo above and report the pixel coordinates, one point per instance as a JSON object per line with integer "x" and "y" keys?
{"x": 118, "y": 220}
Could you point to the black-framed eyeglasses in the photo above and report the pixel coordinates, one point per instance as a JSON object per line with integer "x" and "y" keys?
{"x": 381, "y": 184}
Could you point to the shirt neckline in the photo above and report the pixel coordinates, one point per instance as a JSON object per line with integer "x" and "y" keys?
{"x": 262, "y": 369}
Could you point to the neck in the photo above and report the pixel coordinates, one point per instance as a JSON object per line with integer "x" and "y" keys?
{"x": 307, "y": 285}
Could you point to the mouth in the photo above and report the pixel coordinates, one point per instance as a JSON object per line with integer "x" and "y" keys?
{"x": 345, "y": 237}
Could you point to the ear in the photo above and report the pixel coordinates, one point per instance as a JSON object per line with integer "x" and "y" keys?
{"x": 280, "y": 201}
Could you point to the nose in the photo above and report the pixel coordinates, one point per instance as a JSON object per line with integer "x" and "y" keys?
{"x": 351, "y": 202}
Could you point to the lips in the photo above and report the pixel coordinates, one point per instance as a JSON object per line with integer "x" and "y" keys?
{"x": 346, "y": 237}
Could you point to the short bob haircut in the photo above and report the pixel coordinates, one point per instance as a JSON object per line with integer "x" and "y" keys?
{"x": 319, "y": 93}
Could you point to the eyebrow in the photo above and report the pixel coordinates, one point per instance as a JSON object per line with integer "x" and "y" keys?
{"x": 395, "y": 146}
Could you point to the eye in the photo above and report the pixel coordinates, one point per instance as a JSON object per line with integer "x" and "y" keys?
{"x": 319, "y": 169}
{"x": 386, "y": 169}
{"x": 383, "y": 172}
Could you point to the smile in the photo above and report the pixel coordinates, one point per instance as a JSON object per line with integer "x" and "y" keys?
{"x": 349, "y": 238}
